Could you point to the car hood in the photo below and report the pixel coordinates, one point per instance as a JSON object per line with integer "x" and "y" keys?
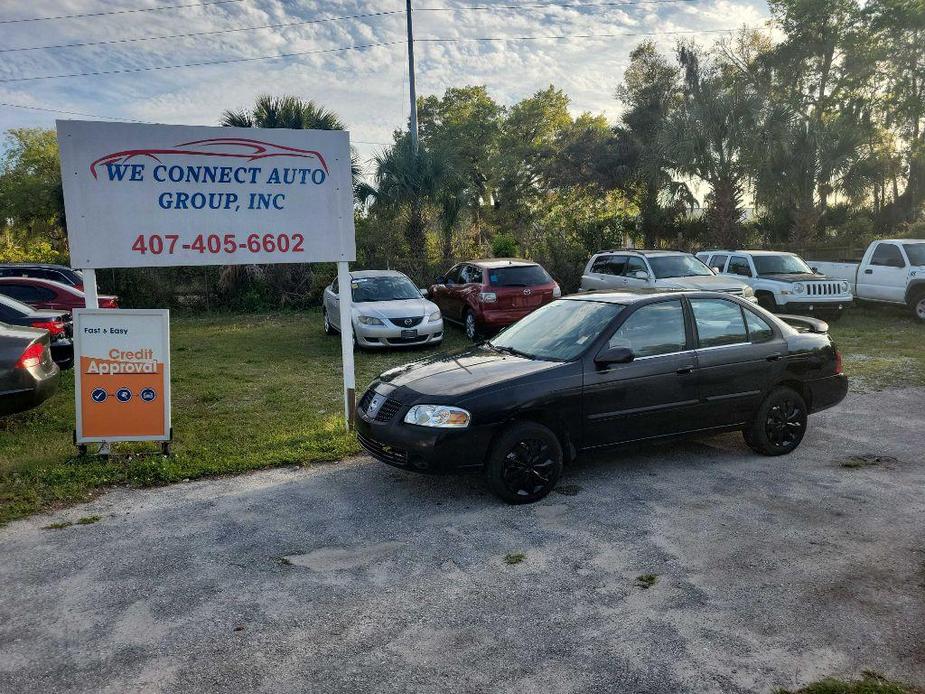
{"x": 711, "y": 283}
{"x": 795, "y": 277}
{"x": 401, "y": 308}
{"x": 455, "y": 374}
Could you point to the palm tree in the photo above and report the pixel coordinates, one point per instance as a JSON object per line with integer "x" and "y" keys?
{"x": 407, "y": 180}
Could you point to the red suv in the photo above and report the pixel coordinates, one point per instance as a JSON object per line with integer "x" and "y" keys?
{"x": 45, "y": 294}
{"x": 487, "y": 295}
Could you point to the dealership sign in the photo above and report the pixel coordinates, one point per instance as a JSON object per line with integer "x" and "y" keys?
{"x": 122, "y": 378}
{"x": 165, "y": 195}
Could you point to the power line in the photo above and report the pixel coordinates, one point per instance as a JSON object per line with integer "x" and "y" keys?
{"x": 112, "y": 12}
{"x": 282, "y": 25}
{"x": 574, "y": 36}
{"x": 540, "y": 5}
{"x": 67, "y": 113}
{"x": 225, "y": 61}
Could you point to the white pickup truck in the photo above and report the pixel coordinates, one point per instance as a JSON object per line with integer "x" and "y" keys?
{"x": 892, "y": 271}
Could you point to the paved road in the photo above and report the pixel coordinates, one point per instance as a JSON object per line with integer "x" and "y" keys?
{"x": 356, "y": 577}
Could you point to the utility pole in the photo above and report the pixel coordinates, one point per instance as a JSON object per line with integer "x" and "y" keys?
{"x": 414, "y": 99}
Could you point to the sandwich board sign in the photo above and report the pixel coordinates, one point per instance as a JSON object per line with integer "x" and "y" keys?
{"x": 122, "y": 378}
{"x": 140, "y": 195}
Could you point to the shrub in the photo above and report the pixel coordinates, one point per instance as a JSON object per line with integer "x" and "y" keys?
{"x": 504, "y": 246}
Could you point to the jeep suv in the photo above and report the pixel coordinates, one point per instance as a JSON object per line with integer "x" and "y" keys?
{"x": 487, "y": 295}
{"x": 637, "y": 269}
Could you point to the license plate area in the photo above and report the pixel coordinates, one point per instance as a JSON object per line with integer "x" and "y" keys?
{"x": 409, "y": 333}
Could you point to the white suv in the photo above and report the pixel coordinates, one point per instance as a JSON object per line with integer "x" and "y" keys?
{"x": 635, "y": 269}
{"x": 783, "y": 282}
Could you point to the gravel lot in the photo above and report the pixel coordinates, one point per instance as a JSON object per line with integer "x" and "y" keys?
{"x": 356, "y": 577}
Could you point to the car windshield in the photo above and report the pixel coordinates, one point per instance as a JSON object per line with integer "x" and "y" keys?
{"x": 16, "y": 305}
{"x": 558, "y": 331}
{"x": 677, "y": 266}
{"x": 383, "y": 289}
{"x": 518, "y": 276}
{"x": 781, "y": 265}
{"x": 916, "y": 253}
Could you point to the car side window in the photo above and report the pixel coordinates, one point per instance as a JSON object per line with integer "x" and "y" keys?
{"x": 334, "y": 287}
{"x": 719, "y": 322}
{"x": 633, "y": 265}
{"x": 6, "y": 313}
{"x": 718, "y": 261}
{"x": 601, "y": 265}
{"x": 23, "y": 292}
{"x": 758, "y": 329}
{"x": 452, "y": 277}
{"x": 888, "y": 255}
{"x": 653, "y": 329}
{"x": 470, "y": 274}
{"x": 738, "y": 265}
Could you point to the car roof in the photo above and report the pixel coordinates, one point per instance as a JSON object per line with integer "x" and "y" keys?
{"x": 492, "y": 263}
{"x": 359, "y": 274}
{"x": 739, "y": 250}
{"x": 645, "y": 251}
{"x": 44, "y": 266}
{"x": 41, "y": 281}
{"x": 624, "y": 297}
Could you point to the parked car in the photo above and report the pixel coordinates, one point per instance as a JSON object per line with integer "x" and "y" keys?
{"x": 388, "y": 311}
{"x": 47, "y": 294}
{"x": 783, "y": 282}
{"x": 44, "y": 271}
{"x": 486, "y": 295}
{"x": 600, "y": 369}
{"x": 28, "y": 374}
{"x": 891, "y": 271}
{"x": 59, "y": 326}
{"x": 636, "y": 269}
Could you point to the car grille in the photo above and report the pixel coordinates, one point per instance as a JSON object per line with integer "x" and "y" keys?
{"x": 379, "y": 451}
{"x": 823, "y": 288}
{"x": 388, "y": 410}
{"x": 365, "y": 400}
{"x": 408, "y": 322}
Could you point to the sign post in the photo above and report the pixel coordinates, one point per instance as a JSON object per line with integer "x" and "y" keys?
{"x": 163, "y": 195}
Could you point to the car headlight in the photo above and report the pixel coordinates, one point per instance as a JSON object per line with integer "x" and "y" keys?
{"x": 845, "y": 287}
{"x": 434, "y": 317}
{"x": 799, "y": 288}
{"x": 556, "y": 292}
{"x": 442, "y": 416}
{"x": 370, "y": 320}
{"x": 748, "y": 292}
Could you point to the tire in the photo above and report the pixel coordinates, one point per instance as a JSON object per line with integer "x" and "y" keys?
{"x": 471, "y": 326}
{"x": 779, "y": 424}
{"x": 328, "y": 328}
{"x": 767, "y": 302}
{"x": 524, "y": 463}
{"x": 918, "y": 306}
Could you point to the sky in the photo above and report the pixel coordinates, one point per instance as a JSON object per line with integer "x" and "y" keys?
{"x": 367, "y": 87}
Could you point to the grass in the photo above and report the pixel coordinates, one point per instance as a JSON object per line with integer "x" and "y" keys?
{"x": 249, "y": 392}
{"x": 870, "y": 683}
{"x": 514, "y": 558}
{"x": 257, "y": 391}
{"x": 646, "y": 581}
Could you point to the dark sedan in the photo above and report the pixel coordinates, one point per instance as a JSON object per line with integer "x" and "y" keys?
{"x": 601, "y": 369}
{"x": 28, "y": 375}
{"x": 58, "y": 324}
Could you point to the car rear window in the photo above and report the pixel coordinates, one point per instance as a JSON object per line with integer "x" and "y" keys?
{"x": 518, "y": 276}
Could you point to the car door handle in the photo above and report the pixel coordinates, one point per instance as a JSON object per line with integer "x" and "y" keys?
{"x": 684, "y": 370}
{"x": 868, "y": 271}
{"x": 777, "y": 356}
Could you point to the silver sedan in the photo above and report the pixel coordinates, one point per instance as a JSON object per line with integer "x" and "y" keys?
{"x": 388, "y": 311}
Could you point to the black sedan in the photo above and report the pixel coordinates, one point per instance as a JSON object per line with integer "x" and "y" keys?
{"x": 58, "y": 324}
{"x": 602, "y": 369}
{"x": 28, "y": 375}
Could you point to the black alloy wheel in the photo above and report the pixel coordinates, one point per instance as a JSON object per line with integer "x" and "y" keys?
{"x": 779, "y": 424}
{"x": 328, "y": 328}
{"x": 525, "y": 463}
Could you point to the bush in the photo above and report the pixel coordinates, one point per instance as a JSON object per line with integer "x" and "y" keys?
{"x": 504, "y": 246}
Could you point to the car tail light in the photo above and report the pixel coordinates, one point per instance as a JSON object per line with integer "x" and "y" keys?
{"x": 53, "y": 327}
{"x": 488, "y": 297}
{"x": 109, "y": 302}
{"x": 838, "y": 364}
{"x": 32, "y": 356}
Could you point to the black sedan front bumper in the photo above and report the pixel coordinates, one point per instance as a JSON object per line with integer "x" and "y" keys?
{"x": 421, "y": 449}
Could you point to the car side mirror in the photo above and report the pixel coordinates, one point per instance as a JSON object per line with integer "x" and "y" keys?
{"x": 641, "y": 275}
{"x": 716, "y": 270}
{"x": 423, "y": 291}
{"x": 814, "y": 269}
{"x": 440, "y": 280}
{"x": 614, "y": 355}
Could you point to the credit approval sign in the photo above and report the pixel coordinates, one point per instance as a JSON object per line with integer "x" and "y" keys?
{"x": 166, "y": 195}
{"x": 122, "y": 380}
